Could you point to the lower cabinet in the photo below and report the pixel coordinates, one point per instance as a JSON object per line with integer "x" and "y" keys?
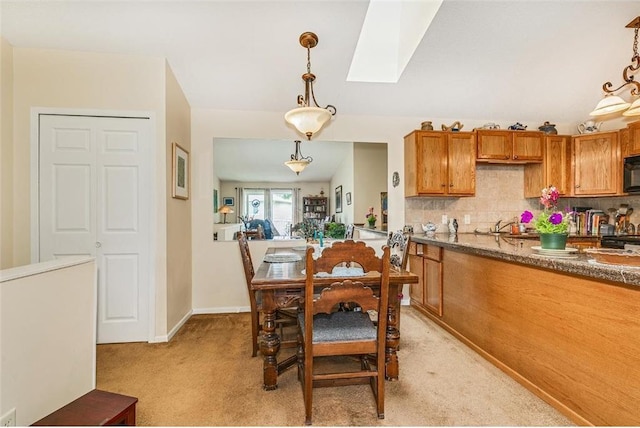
{"x": 426, "y": 262}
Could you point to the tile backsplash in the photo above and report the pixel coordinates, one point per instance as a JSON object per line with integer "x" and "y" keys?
{"x": 499, "y": 196}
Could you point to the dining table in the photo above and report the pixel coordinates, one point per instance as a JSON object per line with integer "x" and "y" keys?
{"x": 281, "y": 280}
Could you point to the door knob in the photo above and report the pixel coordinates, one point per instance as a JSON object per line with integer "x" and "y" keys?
{"x": 98, "y": 244}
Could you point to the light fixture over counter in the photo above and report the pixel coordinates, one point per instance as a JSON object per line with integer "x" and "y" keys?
{"x": 308, "y": 119}
{"x": 612, "y": 103}
{"x": 298, "y": 162}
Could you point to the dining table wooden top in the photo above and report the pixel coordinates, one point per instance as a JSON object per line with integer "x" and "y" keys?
{"x": 277, "y": 275}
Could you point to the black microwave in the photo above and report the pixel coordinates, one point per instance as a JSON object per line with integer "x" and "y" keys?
{"x": 631, "y": 180}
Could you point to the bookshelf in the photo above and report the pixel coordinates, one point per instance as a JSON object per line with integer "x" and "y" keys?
{"x": 314, "y": 207}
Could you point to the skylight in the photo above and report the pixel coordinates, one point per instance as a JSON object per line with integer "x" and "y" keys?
{"x": 391, "y": 32}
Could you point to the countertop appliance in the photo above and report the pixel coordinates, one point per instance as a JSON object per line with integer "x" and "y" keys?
{"x": 619, "y": 241}
{"x": 631, "y": 176}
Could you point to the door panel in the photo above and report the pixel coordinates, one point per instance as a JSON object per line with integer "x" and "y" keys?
{"x": 94, "y": 187}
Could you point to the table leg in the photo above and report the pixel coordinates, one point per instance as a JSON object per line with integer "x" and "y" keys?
{"x": 270, "y": 341}
{"x": 393, "y": 337}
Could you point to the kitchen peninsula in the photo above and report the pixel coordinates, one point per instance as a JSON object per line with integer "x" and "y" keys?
{"x": 566, "y": 328}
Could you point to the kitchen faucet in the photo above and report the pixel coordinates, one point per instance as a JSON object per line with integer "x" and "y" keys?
{"x": 497, "y": 228}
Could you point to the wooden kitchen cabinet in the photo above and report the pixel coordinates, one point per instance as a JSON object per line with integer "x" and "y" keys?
{"x": 501, "y": 146}
{"x": 426, "y": 262}
{"x": 555, "y": 169}
{"x": 597, "y": 164}
{"x": 632, "y": 132}
{"x": 440, "y": 163}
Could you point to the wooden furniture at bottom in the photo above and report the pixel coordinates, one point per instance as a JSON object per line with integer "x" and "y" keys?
{"x": 328, "y": 331}
{"x": 95, "y": 408}
{"x": 572, "y": 340}
{"x": 283, "y": 283}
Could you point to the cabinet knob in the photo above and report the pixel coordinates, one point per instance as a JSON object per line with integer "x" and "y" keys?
{"x": 443, "y": 185}
{"x": 506, "y": 157}
{"x": 515, "y": 157}
{"x": 577, "y": 186}
{"x": 450, "y": 185}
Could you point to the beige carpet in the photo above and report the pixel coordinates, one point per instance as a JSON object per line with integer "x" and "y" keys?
{"x": 205, "y": 376}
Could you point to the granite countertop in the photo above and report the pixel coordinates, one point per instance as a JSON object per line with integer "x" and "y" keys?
{"x": 520, "y": 251}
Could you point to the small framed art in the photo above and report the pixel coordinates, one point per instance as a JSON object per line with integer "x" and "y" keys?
{"x": 339, "y": 199}
{"x": 180, "y": 172}
{"x": 228, "y": 200}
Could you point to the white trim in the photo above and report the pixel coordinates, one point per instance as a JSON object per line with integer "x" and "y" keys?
{"x": 222, "y": 310}
{"x": 153, "y": 217}
{"x": 39, "y": 268}
{"x": 178, "y": 326}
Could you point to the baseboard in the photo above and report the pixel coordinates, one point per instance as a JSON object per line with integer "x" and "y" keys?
{"x": 179, "y": 325}
{"x": 221, "y": 310}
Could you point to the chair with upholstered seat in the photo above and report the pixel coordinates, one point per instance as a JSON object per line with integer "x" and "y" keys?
{"x": 283, "y": 317}
{"x": 327, "y": 331}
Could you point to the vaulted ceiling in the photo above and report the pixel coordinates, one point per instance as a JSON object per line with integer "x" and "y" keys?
{"x": 498, "y": 61}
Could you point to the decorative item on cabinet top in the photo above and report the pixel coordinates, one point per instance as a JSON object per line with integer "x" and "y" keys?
{"x": 426, "y": 126}
{"x": 589, "y": 126}
{"x": 455, "y": 126}
{"x": 490, "y": 125}
{"x": 518, "y": 127}
{"x": 548, "y": 128}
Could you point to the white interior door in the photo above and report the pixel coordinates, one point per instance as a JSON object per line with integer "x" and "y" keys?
{"x": 93, "y": 198}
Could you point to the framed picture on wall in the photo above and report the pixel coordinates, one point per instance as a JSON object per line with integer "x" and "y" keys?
{"x": 215, "y": 200}
{"x": 228, "y": 200}
{"x": 348, "y": 197}
{"x": 339, "y": 199}
{"x": 179, "y": 172}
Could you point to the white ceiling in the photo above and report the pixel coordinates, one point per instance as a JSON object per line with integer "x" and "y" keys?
{"x": 500, "y": 61}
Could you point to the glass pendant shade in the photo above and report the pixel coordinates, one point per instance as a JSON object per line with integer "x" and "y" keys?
{"x": 297, "y": 166}
{"x": 308, "y": 120}
{"x": 634, "y": 110}
{"x": 609, "y": 104}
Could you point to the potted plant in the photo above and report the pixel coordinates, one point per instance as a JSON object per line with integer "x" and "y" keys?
{"x": 552, "y": 224}
{"x": 371, "y": 218}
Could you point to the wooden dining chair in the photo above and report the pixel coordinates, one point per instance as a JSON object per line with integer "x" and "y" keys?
{"x": 398, "y": 243}
{"x": 325, "y": 330}
{"x": 348, "y": 233}
{"x": 284, "y": 317}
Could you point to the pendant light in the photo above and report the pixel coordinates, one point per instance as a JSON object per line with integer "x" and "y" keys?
{"x": 309, "y": 119}
{"x": 298, "y": 162}
{"x": 612, "y": 103}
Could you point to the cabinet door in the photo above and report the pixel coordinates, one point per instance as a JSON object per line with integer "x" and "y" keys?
{"x": 634, "y": 139}
{"x": 494, "y": 145}
{"x": 431, "y": 174}
{"x": 597, "y": 164}
{"x": 555, "y": 169}
{"x": 416, "y": 291}
{"x": 557, "y": 163}
{"x": 527, "y": 146}
{"x": 462, "y": 163}
{"x": 433, "y": 286}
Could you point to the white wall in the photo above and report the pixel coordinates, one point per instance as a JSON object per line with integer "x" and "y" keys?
{"x": 47, "y": 336}
{"x": 6, "y": 154}
{"x": 217, "y": 279}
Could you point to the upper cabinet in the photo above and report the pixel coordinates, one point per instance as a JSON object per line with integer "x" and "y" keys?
{"x": 555, "y": 169}
{"x": 439, "y": 163}
{"x": 632, "y": 134}
{"x": 597, "y": 164}
{"x": 502, "y": 146}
